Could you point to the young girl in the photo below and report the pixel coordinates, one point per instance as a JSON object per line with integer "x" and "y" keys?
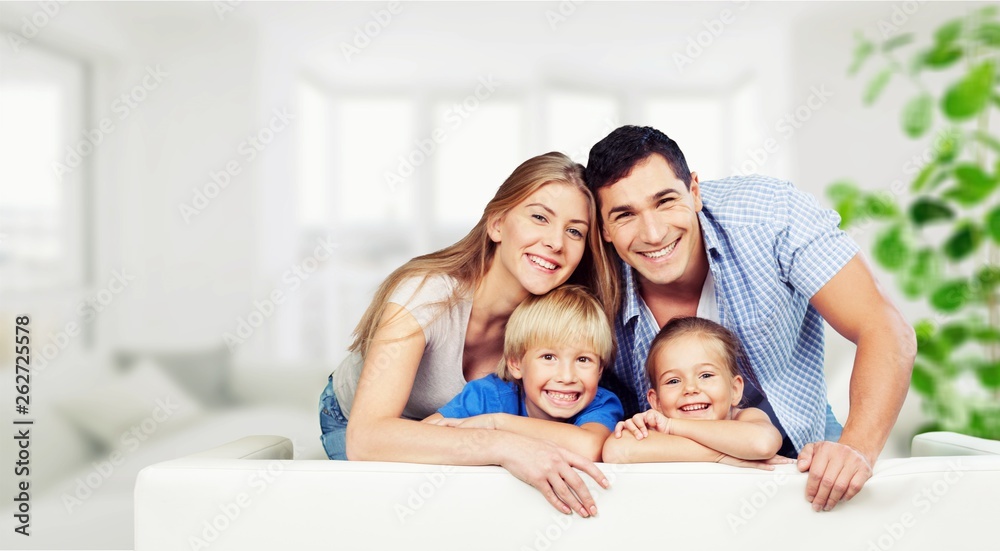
{"x": 555, "y": 348}
{"x": 437, "y": 322}
{"x": 695, "y": 391}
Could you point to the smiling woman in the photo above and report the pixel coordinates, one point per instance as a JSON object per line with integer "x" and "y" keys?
{"x": 438, "y": 321}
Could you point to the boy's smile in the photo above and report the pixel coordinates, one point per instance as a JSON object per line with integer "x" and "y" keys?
{"x": 558, "y": 381}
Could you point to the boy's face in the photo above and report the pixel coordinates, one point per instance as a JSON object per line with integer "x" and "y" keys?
{"x": 558, "y": 381}
{"x": 651, "y": 218}
{"x": 693, "y": 382}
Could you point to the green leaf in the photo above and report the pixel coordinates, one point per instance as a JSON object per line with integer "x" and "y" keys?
{"x": 987, "y": 12}
{"x": 917, "y": 115}
{"x": 948, "y": 145}
{"x": 987, "y": 278}
{"x": 948, "y": 32}
{"x": 974, "y": 185}
{"x": 964, "y": 241}
{"x": 993, "y": 224}
{"x": 897, "y": 42}
{"x": 968, "y": 97}
{"x": 928, "y": 345}
{"x": 876, "y": 86}
{"x": 989, "y": 34}
{"x": 986, "y": 334}
{"x": 955, "y": 333}
{"x": 927, "y": 210}
{"x": 989, "y": 374}
{"x": 879, "y": 205}
{"x": 951, "y": 295}
{"x": 922, "y": 275}
{"x": 921, "y": 180}
{"x": 892, "y": 248}
{"x": 845, "y": 196}
{"x": 941, "y": 56}
{"x": 862, "y": 51}
{"x": 922, "y": 380}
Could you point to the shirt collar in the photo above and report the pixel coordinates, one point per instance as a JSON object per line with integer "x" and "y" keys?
{"x": 709, "y": 231}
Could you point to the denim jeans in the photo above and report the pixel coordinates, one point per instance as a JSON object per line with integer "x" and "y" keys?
{"x": 333, "y": 424}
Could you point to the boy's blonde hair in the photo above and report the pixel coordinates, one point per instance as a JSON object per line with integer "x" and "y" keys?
{"x": 567, "y": 314}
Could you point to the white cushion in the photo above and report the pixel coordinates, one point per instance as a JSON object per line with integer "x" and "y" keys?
{"x": 144, "y": 399}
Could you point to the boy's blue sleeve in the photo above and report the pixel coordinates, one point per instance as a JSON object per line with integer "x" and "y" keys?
{"x": 606, "y": 409}
{"x": 471, "y": 401}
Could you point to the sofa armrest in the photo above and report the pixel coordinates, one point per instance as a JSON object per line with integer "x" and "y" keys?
{"x": 250, "y": 447}
{"x": 931, "y": 444}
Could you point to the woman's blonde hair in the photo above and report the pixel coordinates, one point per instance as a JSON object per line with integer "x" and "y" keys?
{"x": 468, "y": 260}
{"x": 566, "y": 315}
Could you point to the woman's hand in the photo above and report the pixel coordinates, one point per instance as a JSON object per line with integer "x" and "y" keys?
{"x": 640, "y": 423}
{"x": 549, "y": 468}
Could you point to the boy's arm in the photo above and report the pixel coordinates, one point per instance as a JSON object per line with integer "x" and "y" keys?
{"x": 586, "y": 440}
{"x": 750, "y": 435}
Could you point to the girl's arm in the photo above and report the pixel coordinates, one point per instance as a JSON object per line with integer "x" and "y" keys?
{"x": 658, "y": 448}
{"x": 375, "y": 431}
{"x": 749, "y": 435}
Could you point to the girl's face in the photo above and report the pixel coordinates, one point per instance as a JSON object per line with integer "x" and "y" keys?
{"x": 542, "y": 239}
{"x": 693, "y": 381}
{"x": 558, "y": 381}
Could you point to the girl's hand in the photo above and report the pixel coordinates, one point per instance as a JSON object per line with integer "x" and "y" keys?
{"x": 764, "y": 464}
{"x": 485, "y": 421}
{"x": 640, "y": 423}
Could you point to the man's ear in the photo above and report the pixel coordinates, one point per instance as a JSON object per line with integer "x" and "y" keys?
{"x": 695, "y": 191}
{"x": 652, "y": 399}
{"x": 514, "y": 367}
{"x": 737, "y": 390}
{"x": 604, "y": 233}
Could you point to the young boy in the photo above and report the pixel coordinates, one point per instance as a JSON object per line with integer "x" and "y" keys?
{"x": 555, "y": 348}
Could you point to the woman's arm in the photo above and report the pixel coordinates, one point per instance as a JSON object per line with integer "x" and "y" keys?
{"x": 375, "y": 431}
{"x": 749, "y": 435}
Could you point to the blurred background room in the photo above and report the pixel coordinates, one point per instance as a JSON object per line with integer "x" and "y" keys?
{"x": 198, "y": 199}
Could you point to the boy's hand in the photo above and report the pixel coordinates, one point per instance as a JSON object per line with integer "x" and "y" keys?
{"x": 640, "y": 423}
{"x": 485, "y": 421}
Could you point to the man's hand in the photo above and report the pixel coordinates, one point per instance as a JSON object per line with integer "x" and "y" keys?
{"x": 836, "y": 472}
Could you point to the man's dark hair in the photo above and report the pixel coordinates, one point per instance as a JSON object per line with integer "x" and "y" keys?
{"x": 614, "y": 157}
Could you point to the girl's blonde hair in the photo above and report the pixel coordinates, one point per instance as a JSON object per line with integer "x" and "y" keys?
{"x": 468, "y": 260}
{"x": 566, "y": 315}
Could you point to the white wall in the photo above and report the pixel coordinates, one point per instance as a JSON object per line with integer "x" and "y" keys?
{"x": 227, "y": 73}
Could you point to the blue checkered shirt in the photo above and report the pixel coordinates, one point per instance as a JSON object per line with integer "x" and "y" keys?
{"x": 770, "y": 248}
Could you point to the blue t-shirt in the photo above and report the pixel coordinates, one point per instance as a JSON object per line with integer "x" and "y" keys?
{"x": 491, "y": 394}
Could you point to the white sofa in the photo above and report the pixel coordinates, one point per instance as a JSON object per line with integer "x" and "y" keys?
{"x": 249, "y": 495}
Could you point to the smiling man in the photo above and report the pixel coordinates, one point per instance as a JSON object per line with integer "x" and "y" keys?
{"x": 763, "y": 259}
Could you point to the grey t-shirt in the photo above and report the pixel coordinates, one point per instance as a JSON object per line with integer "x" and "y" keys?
{"x": 439, "y": 377}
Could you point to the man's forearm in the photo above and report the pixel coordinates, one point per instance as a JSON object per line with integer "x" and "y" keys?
{"x": 879, "y": 382}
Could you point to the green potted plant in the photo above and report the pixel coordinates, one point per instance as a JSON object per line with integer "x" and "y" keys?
{"x": 940, "y": 237}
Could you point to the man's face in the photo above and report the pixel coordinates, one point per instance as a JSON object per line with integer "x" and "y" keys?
{"x": 651, "y": 218}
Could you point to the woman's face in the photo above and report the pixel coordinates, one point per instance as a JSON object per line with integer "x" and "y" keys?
{"x": 541, "y": 241}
